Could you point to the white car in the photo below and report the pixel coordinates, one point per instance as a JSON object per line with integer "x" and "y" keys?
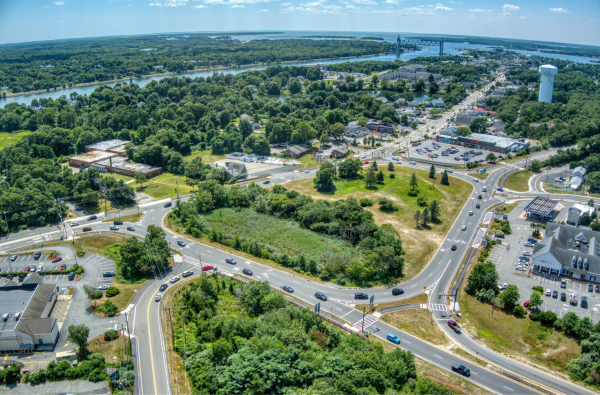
{"x": 527, "y": 253}
{"x": 306, "y": 171}
{"x": 174, "y": 279}
{"x": 103, "y": 287}
{"x": 157, "y": 297}
{"x": 470, "y": 213}
{"x": 412, "y": 162}
{"x": 548, "y": 292}
{"x": 502, "y": 286}
{"x": 529, "y": 244}
{"x": 464, "y": 227}
{"x": 475, "y": 180}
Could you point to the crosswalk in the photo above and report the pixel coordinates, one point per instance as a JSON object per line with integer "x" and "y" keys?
{"x": 488, "y": 217}
{"x": 369, "y": 320}
{"x": 438, "y": 307}
{"x": 479, "y": 237}
{"x": 196, "y": 262}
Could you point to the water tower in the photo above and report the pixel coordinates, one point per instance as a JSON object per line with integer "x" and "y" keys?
{"x": 547, "y": 82}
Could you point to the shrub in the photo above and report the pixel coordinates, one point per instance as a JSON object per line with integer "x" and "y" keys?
{"x": 111, "y": 334}
{"x": 422, "y": 200}
{"x": 108, "y": 308}
{"x": 519, "y": 311}
{"x": 112, "y": 291}
{"x": 392, "y": 175}
{"x": 539, "y": 289}
{"x": 364, "y": 202}
{"x": 534, "y": 317}
{"x": 97, "y": 294}
{"x": 386, "y": 204}
{"x": 547, "y": 317}
{"x": 413, "y": 193}
{"x": 80, "y": 254}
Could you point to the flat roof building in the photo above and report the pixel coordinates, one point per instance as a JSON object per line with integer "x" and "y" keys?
{"x": 541, "y": 207}
{"x": 486, "y": 142}
{"x": 105, "y": 145}
{"x": 86, "y": 159}
{"x": 124, "y": 166}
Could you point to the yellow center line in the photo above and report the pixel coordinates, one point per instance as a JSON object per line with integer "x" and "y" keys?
{"x": 150, "y": 344}
{"x": 5, "y": 356}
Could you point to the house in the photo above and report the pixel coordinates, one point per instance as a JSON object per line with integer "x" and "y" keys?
{"x": 414, "y": 103}
{"x": 573, "y": 216}
{"x": 411, "y": 112}
{"x": 498, "y": 126}
{"x": 246, "y": 116}
{"x": 332, "y": 151}
{"x": 499, "y": 92}
{"x": 339, "y": 151}
{"x": 295, "y": 151}
{"x": 356, "y": 131}
{"x": 400, "y": 102}
{"x": 437, "y": 103}
{"x": 379, "y": 126}
{"x": 255, "y": 125}
{"x": 579, "y": 171}
{"x": 383, "y": 100}
{"x": 300, "y": 78}
{"x": 158, "y": 67}
{"x": 575, "y": 183}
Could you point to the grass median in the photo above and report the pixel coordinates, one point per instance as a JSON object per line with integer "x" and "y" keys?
{"x": 519, "y": 181}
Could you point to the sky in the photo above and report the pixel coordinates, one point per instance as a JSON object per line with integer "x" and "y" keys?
{"x": 565, "y": 21}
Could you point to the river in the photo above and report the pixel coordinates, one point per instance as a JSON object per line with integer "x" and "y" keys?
{"x": 450, "y": 48}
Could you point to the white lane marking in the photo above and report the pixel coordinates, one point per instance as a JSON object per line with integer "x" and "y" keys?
{"x": 351, "y": 311}
{"x": 296, "y": 282}
{"x": 510, "y": 389}
{"x": 437, "y": 356}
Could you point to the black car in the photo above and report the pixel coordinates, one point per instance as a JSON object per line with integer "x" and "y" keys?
{"x": 320, "y": 295}
{"x": 360, "y": 295}
{"x": 477, "y": 205}
{"x": 180, "y": 243}
{"x": 91, "y": 217}
{"x": 168, "y": 204}
{"x": 478, "y": 196}
{"x": 555, "y": 294}
{"x": 597, "y": 288}
{"x": 499, "y": 235}
{"x": 453, "y": 248}
{"x": 563, "y": 297}
{"x": 590, "y": 288}
{"x": 9, "y": 277}
{"x": 247, "y": 271}
{"x": 397, "y": 291}
{"x": 108, "y": 274}
{"x": 230, "y": 260}
{"x": 163, "y": 287}
{"x": 72, "y": 276}
{"x": 118, "y": 222}
{"x": 131, "y": 228}
{"x": 37, "y": 255}
{"x": 287, "y": 288}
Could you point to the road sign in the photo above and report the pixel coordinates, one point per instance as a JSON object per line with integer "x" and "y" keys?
{"x": 318, "y": 307}
{"x": 372, "y": 299}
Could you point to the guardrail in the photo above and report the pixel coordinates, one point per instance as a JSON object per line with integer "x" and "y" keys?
{"x": 523, "y": 381}
{"x": 400, "y": 307}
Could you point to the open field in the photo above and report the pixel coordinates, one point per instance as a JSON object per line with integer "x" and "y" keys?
{"x": 519, "y": 181}
{"x": 123, "y": 299}
{"x": 206, "y": 155}
{"x": 119, "y": 177}
{"x": 419, "y": 244}
{"x": 11, "y": 138}
{"x": 112, "y": 350}
{"x": 126, "y": 218}
{"x": 307, "y": 161}
{"x": 164, "y": 186}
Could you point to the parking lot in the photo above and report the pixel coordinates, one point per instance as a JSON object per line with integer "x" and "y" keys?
{"x": 429, "y": 149}
{"x": 506, "y": 255}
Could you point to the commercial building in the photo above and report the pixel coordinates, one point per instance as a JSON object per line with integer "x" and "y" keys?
{"x": 568, "y": 251}
{"x": 86, "y": 159}
{"x": 577, "y": 211}
{"x": 577, "y": 178}
{"x": 379, "y": 126}
{"x": 26, "y": 325}
{"x": 411, "y": 72}
{"x": 296, "y": 151}
{"x": 485, "y": 142}
{"x": 540, "y": 208}
{"x": 114, "y": 146}
{"x": 331, "y": 151}
{"x": 126, "y": 167}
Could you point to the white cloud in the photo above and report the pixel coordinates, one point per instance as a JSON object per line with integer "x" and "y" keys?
{"x": 59, "y": 3}
{"x": 442, "y": 8}
{"x": 170, "y": 3}
{"x": 238, "y": 6}
{"x": 286, "y": 4}
{"x": 46, "y": 6}
{"x": 479, "y": 10}
{"x": 264, "y": 10}
{"x": 231, "y": 2}
{"x": 559, "y": 10}
{"x": 510, "y": 7}
{"x": 200, "y": 6}
{"x": 366, "y": 2}
{"x": 451, "y": 2}
{"x": 522, "y": 17}
{"x": 392, "y": 1}
{"x": 313, "y": 8}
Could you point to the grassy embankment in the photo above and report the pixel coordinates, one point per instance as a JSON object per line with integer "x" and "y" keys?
{"x": 519, "y": 181}
{"x": 419, "y": 244}
{"x": 135, "y": 217}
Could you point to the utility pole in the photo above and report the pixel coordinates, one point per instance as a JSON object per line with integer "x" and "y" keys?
{"x": 363, "y": 321}
{"x": 183, "y": 322}
{"x": 4, "y": 212}
{"x": 177, "y": 186}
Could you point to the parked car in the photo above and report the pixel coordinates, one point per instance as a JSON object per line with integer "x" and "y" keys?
{"x": 287, "y": 288}
{"x": 87, "y": 228}
{"x": 72, "y": 276}
{"x": 526, "y": 304}
{"x": 502, "y": 286}
{"x": 397, "y": 291}
{"x": 187, "y": 273}
{"x": 321, "y": 295}
{"x": 37, "y": 255}
{"x": 563, "y": 284}
{"x": 131, "y": 228}
{"x": 103, "y": 287}
{"x": 108, "y": 274}
{"x": 174, "y": 279}
{"x": 563, "y": 297}
{"x": 92, "y": 217}
{"x": 555, "y": 294}
{"x": 26, "y": 270}
{"x": 207, "y": 267}
{"x": 180, "y": 243}
{"x": 548, "y": 292}
{"x": 597, "y": 288}
{"x": 584, "y": 303}
{"x": 360, "y": 295}
{"x": 63, "y": 267}
{"x": 590, "y": 288}
{"x": 13, "y": 258}
{"x": 163, "y": 287}
{"x": 393, "y": 338}
{"x": 499, "y": 235}
{"x": 453, "y": 248}
{"x": 527, "y": 253}
{"x": 57, "y": 259}
{"x": 529, "y": 244}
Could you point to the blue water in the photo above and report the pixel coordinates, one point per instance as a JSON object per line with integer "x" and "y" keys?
{"x": 449, "y": 49}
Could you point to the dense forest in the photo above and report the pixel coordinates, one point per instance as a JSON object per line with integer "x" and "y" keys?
{"x": 379, "y": 252}
{"x": 249, "y": 339}
{"x": 25, "y": 67}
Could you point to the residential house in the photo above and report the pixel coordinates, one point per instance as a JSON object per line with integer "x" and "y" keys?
{"x": 414, "y": 103}
{"x": 437, "y": 103}
{"x": 296, "y": 151}
{"x": 498, "y": 126}
{"x": 356, "y": 131}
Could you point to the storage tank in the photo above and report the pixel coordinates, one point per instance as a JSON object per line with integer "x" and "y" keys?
{"x": 547, "y": 82}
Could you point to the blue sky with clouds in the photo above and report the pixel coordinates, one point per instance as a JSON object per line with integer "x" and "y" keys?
{"x": 568, "y": 21}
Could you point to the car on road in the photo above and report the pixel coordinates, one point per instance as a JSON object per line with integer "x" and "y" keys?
{"x": 393, "y": 338}
{"x": 548, "y": 292}
{"x": 360, "y": 295}
{"x": 37, "y": 255}
{"x": 27, "y": 268}
{"x": 529, "y": 244}
{"x": 266, "y": 182}
{"x": 174, "y": 279}
{"x": 366, "y": 162}
{"x": 163, "y": 287}
{"x": 484, "y": 189}
{"x": 306, "y": 171}
{"x": 412, "y": 163}
{"x": 287, "y": 288}
{"x": 397, "y": 291}
{"x": 13, "y": 258}
{"x": 131, "y": 228}
{"x": 87, "y": 229}
{"x": 207, "y": 267}
{"x": 108, "y": 274}
{"x": 453, "y": 248}
{"x": 321, "y": 295}
{"x": 464, "y": 228}
{"x": 563, "y": 297}
{"x": 113, "y": 227}
{"x": 74, "y": 224}
{"x": 500, "y": 189}
{"x": 247, "y": 271}
{"x": 479, "y": 196}
{"x": 187, "y": 273}
{"x": 168, "y": 204}
{"x": 230, "y": 260}
{"x": 92, "y": 217}
{"x": 103, "y": 287}
{"x": 470, "y": 212}
{"x": 63, "y": 267}
{"x": 475, "y": 180}
{"x": 57, "y": 259}
{"x": 117, "y": 222}
{"x": 527, "y": 253}
{"x": 157, "y": 297}
{"x": 180, "y": 243}
{"x": 477, "y": 205}
{"x": 555, "y": 294}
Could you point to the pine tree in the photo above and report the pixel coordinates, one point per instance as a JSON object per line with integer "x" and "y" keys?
{"x": 417, "y": 217}
{"x": 374, "y": 165}
{"x": 425, "y": 216}
{"x": 370, "y": 178}
{"x": 390, "y": 166}
{"x": 413, "y": 181}
{"x": 444, "y": 180}
{"x": 380, "y": 177}
{"x": 432, "y": 171}
{"x": 434, "y": 211}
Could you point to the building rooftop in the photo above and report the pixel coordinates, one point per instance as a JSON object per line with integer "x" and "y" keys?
{"x": 125, "y": 164}
{"x": 14, "y": 299}
{"x": 541, "y": 206}
{"x": 107, "y": 144}
{"x": 93, "y": 156}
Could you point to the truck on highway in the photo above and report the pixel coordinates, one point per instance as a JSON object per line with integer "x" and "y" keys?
{"x": 461, "y": 370}
{"x": 454, "y": 326}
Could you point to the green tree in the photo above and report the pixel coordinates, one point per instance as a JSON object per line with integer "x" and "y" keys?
{"x": 390, "y": 166}
{"x": 324, "y": 178}
{"x": 419, "y": 86}
{"x": 413, "y": 181}
{"x": 425, "y": 216}
{"x": 535, "y": 165}
{"x": 535, "y": 300}
{"x": 380, "y": 177}
{"x": 336, "y": 130}
{"x": 370, "y": 178}
{"x": 463, "y": 131}
{"x": 445, "y": 180}
{"x": 479, "y": 125}
{"x": 510, "y": 296}
{"x": 140, "y": 179}
{"x": 434, "y": 211}
{"x": 257, "y": 144}
{"x": 404, "y": 119}
{"x": 374, "y": 81}
{"x": 324, "y": 139}
{"x": 362, "y": 121}
{"x": 78, "y": 334}
{"x": 295, "y": 86}
{"x": 374, "y": 165}
{"x": 483, "y": 277}
{"x": 432, "y": 171}
{"x": 417, "y": 217}
{"x": 491, "y": 157}
{"x": 585, "y": 219}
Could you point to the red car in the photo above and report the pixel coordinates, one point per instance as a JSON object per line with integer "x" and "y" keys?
{"x": 87, "y": 228}
{"x": 26, "y": 269}
{"x": 63, "y": 266}
{"x": 366, "y": 162}
{"x": 526, "y": 304}
{"x": 57, "y": 259}
{"x": 207, "y": 267}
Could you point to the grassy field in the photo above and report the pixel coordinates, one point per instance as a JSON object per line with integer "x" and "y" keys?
{"x": 519, "y": 337}
{"x": 420, "y": 244}
{"x": 281, "y": 235}
{"x": 479, "y": 175}
{"x": 519, "y": 181}
{"x": 126, "y": 218}
{"x": 308, "y": 161}
{"x": 207, "y": 156}
{"x": 163, "y": 186}
{"x": 119, "y": 176}
{"x": 11, "y": 138}
{"x": 112, "y": 350}
{"x": 123, "y": 299}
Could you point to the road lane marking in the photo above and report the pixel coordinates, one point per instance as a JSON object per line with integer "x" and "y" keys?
{"x": 510, "y": 389}
{"x": 438, "y": 356}
{"x": 150, "y": 343}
